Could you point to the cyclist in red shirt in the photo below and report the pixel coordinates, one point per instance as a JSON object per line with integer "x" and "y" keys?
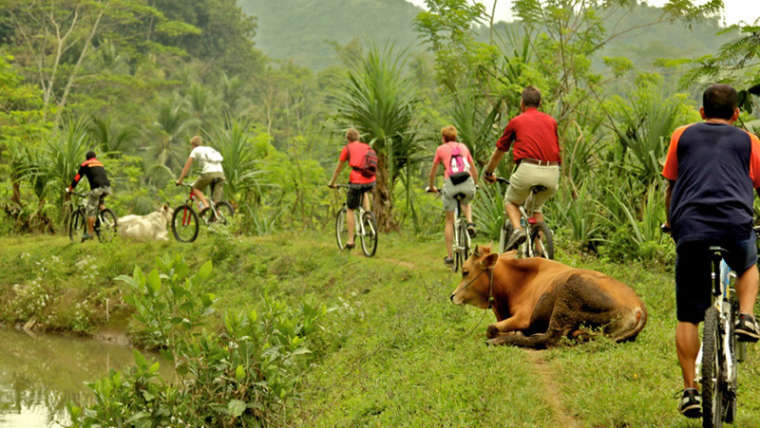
{"x": 536, "y": 155}
{"x": 353, "y": 153}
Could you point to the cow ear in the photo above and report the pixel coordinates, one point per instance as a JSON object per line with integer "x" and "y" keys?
{"x": 490, "y": 260}
{"x": 476, "y": 252}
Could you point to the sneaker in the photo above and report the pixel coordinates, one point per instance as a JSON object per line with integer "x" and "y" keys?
{"x": 690, "y": 404}
{"x": 746, "y": 328}
{"x": 85, "y": 237}
{"x": 516, "y": 238}
{"x": 448, "y": 261}
{"x": 471, "y": 230}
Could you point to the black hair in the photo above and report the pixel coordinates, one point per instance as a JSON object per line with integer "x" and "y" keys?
{"x": 90, "y": 154}
{"x": 719, "y": 101}
{"x": 531, "y": 97}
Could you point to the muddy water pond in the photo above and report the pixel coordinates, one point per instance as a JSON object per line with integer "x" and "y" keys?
{"x": 39, "y": 375}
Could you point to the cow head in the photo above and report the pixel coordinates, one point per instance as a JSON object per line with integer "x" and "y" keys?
{"x": 474, "y": 287}
{"x": 166, "y": 213}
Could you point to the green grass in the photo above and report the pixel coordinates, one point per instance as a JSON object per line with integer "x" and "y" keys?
{"x": 394, "y": 351}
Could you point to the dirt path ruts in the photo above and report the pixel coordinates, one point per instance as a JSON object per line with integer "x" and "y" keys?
{"x": 562, "y": 417}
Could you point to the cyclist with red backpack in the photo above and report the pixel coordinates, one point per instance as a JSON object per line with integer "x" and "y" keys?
{"x": 460, "y": 177}
{"x": 363, "y": 162}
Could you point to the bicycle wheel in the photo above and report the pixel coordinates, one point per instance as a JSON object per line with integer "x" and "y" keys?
{"x": 712, "y": 394}
{"x": 341, "y": 229}
{"x": 542, "y": 241}
{"x": 506, "y": 232}
{"x": 729, "y": 396}
{"x": 185, "y": 224}
{"x": 106, "y": 225}
{"x": 76, "y": 223}
{"x": 369, "y": 238}
{"x": 463, "y": 246}
{"x": 224, "y": 212}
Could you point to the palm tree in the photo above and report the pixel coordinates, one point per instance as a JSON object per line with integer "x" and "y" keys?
{"x": 379, "y": 100}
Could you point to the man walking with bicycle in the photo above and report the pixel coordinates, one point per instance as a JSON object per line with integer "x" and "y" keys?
{"x": 460, "y": 177}
{"x": 100, "y": 187}
{"x": 212, "y": 172}
{"x": 712, "y": 168}
{"x": 363, "y": 162}
{"x": 537, "y": 160}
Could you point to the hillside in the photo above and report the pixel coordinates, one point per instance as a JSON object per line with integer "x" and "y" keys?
{"x": 305, "y": 30}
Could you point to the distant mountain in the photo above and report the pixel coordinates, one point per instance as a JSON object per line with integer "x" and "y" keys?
{"x": 304, "y": 29}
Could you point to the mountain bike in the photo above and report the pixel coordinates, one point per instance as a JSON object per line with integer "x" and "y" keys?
{"x": 720, "y": 351}
{"x": 462, "y": 242}
{"x": 105, "y": 222}
{"x": 365, "y": 227}
{"x": 186, "y": 223}
{"x": 539, "y": 240}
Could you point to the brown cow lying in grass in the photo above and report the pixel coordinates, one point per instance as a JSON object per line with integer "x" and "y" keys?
{"x": 537, "y": 302}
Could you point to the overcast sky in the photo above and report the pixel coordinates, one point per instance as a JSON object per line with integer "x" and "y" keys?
{"x": 736, "y": 10}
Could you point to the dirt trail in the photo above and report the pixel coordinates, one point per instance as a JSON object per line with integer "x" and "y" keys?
{"x": 562, "y": 417}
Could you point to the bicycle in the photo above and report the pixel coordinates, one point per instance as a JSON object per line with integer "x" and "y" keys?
{"x": 462, "y": 242}
{"x": 185, "y": 221}
{"x": 366, "y": 229}
{"x": 720, "y": 351}
{"x": 105, "y": 222}
{"x": 539, "y": 240}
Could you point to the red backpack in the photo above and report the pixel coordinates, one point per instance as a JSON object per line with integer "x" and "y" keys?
{"x": 367, "y": 164}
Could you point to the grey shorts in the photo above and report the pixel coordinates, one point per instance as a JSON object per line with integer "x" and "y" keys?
{"x": 466, "y": 188}
{"x": 94, "y": 198}
{"x": 215, "y": 180}
{"x": 528, "y": 175}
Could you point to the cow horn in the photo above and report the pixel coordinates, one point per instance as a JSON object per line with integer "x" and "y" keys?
{"x": 476, "y": 252}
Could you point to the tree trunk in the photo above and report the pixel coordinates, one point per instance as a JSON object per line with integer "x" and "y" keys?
{"x": 382, "y": 205}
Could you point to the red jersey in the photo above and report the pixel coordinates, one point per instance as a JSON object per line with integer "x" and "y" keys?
{"x": 353, "y": 152}
{"x": 534, "y": 135}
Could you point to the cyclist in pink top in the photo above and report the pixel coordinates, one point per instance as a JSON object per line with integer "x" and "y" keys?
{"x": 460, "y": 176}
{"x": 353, "y": 153}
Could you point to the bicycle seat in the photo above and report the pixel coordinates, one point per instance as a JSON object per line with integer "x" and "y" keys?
{"x": 537, "y": 189}
{"x": 717, "y": 252}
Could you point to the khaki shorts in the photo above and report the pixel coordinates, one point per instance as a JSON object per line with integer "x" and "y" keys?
{"x": 94, "y": 198}
{"x": 216, "y": 180}
{"x": 528, "y": 175}
{"x": 467, "y": 188}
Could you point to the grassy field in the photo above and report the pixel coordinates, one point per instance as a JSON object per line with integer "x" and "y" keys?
{"x": 394, "y": 350}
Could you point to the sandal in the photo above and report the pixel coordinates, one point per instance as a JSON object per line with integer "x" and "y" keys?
{"x": 350, "y": 246}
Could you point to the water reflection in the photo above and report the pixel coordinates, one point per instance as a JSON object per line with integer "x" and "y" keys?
{"x": 39, "y": 375}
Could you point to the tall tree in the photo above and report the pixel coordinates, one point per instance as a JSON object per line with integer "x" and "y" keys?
{"x": 379, "y": 100}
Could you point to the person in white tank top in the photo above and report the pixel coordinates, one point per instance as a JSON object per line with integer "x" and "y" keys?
{"x": 212, "y": 172}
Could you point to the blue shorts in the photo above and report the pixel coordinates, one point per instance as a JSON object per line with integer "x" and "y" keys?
{"x": 693, "y": 266}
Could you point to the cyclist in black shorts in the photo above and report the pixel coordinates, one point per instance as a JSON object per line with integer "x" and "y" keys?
{"x": 712, "y": 169}
{"x": 361, "y": 181}
{"x": 100, "y": 187}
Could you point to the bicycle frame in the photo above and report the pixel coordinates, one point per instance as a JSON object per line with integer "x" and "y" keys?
{"x": 189, "y": 201}
{"x": 526, "y": 217}
{"x": 723, "y": 279}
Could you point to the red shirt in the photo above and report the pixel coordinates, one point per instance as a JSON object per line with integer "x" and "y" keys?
{"x": 353, "y": 152}
{"x": 534, "y": 134}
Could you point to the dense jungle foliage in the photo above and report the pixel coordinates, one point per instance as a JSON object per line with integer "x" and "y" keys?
{"x": 135, "y": 79}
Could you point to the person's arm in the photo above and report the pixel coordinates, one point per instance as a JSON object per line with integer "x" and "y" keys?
{"x": 338, "y": 169}
{"x": 491, "y": 166}
{"x": 668, "y": 194}
{"x": 431, "y": 181}
{"x": 75, "y": 181}
{"x": 185, "y": 170}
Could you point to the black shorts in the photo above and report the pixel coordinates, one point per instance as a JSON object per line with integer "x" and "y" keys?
{"x": 693, "y": 284}
{"x": 355, "y": 192}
